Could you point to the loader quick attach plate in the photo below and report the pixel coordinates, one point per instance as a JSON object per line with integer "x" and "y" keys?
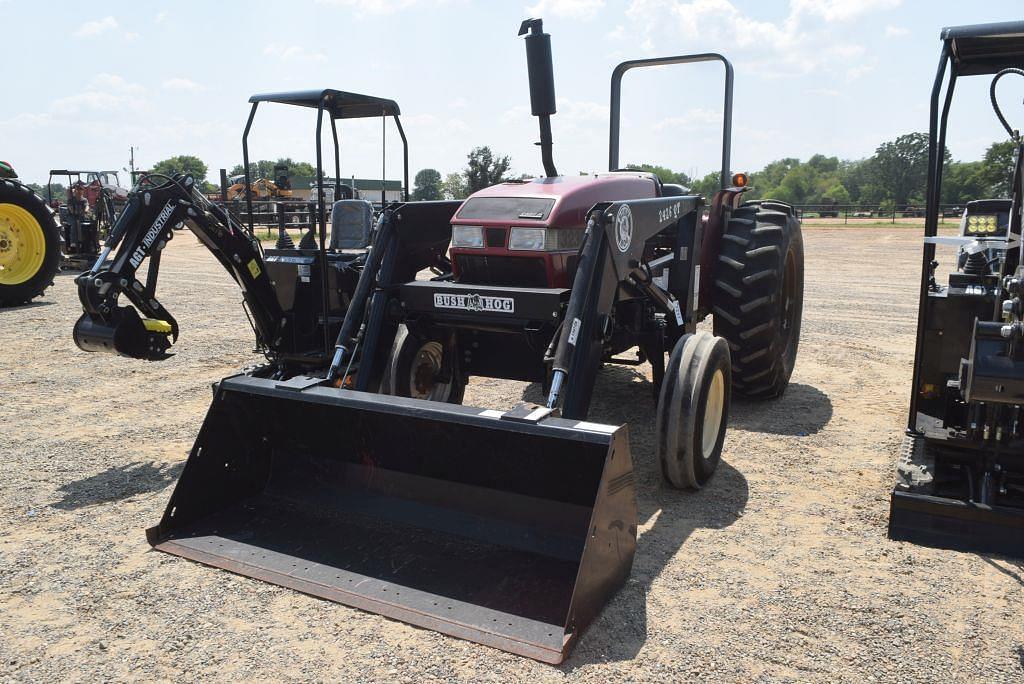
{"x": 510, "y": 533}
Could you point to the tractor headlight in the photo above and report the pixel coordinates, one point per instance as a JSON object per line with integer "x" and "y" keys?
{"x": 546, "y": 240}
{"x": 531, "y": 239}
{"x": 982, "y": 224}
{"x": 467, "y": 236}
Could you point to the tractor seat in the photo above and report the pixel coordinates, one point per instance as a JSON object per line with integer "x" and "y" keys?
{"x": 673, "y": 190}
{"x": 351, "y": 224}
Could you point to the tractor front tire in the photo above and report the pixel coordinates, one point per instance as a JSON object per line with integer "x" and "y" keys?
{"x": 413, "y": 369}
{"x": 693, "y": 410}
{"x": 29, "y": 244}
{"x": 759, "y": 295}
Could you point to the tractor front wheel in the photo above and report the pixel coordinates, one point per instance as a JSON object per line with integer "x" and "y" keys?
{"x": 693, "y": 409}
{"x": 759, "y": 295}
{"x": 416, "y": 368}
{"x": 29, "y": 244}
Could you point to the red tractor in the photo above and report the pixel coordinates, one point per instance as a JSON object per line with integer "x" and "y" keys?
{"x": 510, "y": 528}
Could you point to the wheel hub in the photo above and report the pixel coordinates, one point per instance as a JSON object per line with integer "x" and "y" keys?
{"x": 426, "y": 366}
{"x": 713, "y": 407}
{"x": 22, "y": 245}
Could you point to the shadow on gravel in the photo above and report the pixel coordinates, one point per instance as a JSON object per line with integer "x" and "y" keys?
{"x": 1006, "y": 571}
{"x": 22, "y": 307}
{"x": 803, "y": 410}
{"x": 624, "y": 395}
{"x": 116, "y": 483}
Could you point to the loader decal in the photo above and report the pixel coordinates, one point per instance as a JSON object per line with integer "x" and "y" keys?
{"x": 474, "y": 302}
{"x": 623, "y": 228}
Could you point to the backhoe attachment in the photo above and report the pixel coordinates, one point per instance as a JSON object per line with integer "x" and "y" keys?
{"x": 145, "y": 329}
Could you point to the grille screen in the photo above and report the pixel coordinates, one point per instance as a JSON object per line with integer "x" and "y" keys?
{"x": 495, "y": 237}
{"x": 501, "y": 270}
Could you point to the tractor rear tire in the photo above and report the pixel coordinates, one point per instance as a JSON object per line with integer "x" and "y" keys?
{"x": 693, "y": 410}
{"x": 758, "y": 296}
{"x": 29, "y": 244}
{"x": 412, "y": 368}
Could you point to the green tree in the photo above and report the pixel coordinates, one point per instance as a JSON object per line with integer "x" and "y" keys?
{"x": 183, "y": 163}
{"x": 772, "y": 174}
{"x": 838, "y": 193}
{"x": 997, "y": 171}
{"x": 665, "y": 174}
{"x": 454, "y": 186}
{"x": 264, "y": 168}
{"x": 485, "y": 169}
{"x": 901, "y": 167}
{"x": 963, "y": 182}
{"x": 799, "y": 186}
{"x": 427, "y": 185}
{"x": 708, "y": 185}
{"x": 823, "y": 164}
{"x": 59, "y": 192}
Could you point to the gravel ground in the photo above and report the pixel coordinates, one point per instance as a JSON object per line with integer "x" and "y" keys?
{"x": 778, "y": 571}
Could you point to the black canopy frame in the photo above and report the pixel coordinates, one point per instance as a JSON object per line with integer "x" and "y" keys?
{"x": 336, "y": 104}
{"x": 979, "y": 49}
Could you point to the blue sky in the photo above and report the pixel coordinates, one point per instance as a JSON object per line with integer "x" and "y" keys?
{"x": 83, "y": 81}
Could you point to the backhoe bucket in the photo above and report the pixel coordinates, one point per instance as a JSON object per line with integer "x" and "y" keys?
{"x": 508, "y": 532}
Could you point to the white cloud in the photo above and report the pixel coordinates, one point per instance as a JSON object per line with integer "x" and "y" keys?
{"x": 105, "y": 93}
{"x": 858, "y": 71}
{"x": 91, "y": 100}
{"x": 363, "y": 7}
{"x": 95, "y": 28}
{"x": 617, "y": 33}
{"x": 114, "y": 83}
{"x": 570, "y": 9}
{"x": 581, "y": 110}
{"x": 808, "y": 39}
{"x": 698, "y": 117}
{"x": 182, "y": 84}
{"x": 293, "y": 53}
{"x": 160, "y": 16}
{"x": 131, "y": 36}
{"x": 840, "y": 10}
{"x": 895, "y": 31}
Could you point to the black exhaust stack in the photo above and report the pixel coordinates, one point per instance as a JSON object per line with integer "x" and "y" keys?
{"x": 542, "y": 85}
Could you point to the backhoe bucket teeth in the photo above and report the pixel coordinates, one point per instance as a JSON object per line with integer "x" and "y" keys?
{"x": 509, "y": 533}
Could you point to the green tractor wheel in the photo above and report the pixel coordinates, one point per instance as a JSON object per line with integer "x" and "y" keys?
{"x": 29, "y": 244}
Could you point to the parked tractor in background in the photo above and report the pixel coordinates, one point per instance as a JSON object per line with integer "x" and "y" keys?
{"x": 29, "y": 241}
{"x": 91, "y": 203}
{"x": 349, "y": 470}
{"x": 960, "y": 480}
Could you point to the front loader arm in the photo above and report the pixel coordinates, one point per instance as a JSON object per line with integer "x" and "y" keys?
{"x": 145, "y": 329}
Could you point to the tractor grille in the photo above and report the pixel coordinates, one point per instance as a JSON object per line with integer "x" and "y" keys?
{"x": 501, "y": 270}
{"x": 495, "y": 237}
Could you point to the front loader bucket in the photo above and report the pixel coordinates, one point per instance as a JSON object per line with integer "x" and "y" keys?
{"x": 505, "y": 532}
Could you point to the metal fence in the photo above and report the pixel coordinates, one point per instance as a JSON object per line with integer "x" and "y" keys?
{"x": 874, "y": 212}
{"x": 274, "y": 216}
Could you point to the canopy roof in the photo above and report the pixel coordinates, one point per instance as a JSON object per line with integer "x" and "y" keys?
{"x": 986, "y": 48}
{"x": 338, "y": 103}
